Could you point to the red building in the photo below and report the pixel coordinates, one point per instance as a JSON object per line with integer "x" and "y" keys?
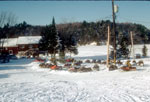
{"x": 28, "y": 43}
{"x": 10, "y": 45}
{"x": 21, "y": 44}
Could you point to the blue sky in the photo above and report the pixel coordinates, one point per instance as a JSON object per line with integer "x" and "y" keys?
{"x": 41, "y": 12}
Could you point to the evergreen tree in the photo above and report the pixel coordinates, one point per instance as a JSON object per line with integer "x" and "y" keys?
{"x": 53, "y": 42}
{"x": 123, "y": 50}
{"x": 144, "y": 51}
{"x": 50, "y": 40}
{"x": 62, "y": 49}
{"x": 72, "y": 45}
{"x": 43, "y": 44}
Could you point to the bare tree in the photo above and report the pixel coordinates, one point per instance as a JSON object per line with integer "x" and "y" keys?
{"x": 11, "y": 19}
{"x": 7, "y": 18}
{"x": 2, "y": 18}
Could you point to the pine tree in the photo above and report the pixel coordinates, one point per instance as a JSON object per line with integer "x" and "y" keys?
{"x": 62, "y": 56}
{"x": 72, "y": 45}
{"x": 50, "y": 40}
{"x": 53, "y": 44}
{"x": 43, "y": 44}
{"x": 62, "y": 48}
{"x": 144, "y": 51}
{"x": 123, "y": 50}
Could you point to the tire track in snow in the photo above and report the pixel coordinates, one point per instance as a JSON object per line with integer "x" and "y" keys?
{"x": 55, "y": 91}
{"x": 65, "y": 91}
{"x": 129, "y": 98}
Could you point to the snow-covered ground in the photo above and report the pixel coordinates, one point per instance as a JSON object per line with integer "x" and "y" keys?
{"x": 23, "y": 81}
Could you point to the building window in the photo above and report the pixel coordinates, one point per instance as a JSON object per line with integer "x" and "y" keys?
{"x": 11, "y": 52}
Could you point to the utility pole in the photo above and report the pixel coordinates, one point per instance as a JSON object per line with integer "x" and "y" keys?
{"x": 108, "y": 40}
{"x": 114, "y": 32}
{"x": 132, "y": 45}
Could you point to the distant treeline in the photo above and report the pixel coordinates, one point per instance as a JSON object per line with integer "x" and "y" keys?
{"x": 85, "y": 32}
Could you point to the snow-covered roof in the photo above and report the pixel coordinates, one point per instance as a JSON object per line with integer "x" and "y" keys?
{"x": 10, "y": 42}
{"x": 28, "y": 39}
{"x": 13, "y": 42}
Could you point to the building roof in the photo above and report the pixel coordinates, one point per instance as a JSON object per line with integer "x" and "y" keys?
{"x": 10, "y": 42}
{"x": 14, "y": 42}
{"x": 28, "y": 39}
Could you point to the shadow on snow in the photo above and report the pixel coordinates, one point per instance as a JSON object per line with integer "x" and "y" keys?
{"x": 4, "y": 76}
{"x": 11, "y": 67}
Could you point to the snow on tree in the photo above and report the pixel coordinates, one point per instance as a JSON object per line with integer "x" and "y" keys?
{"x": 144, "y": 51}
{"x": 123, "y": 42}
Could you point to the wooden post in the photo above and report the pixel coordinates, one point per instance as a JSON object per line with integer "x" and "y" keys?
{"x": 132, "y": 45}
{"x": 114, "y": 32}
{"x": 108, "y": 40}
